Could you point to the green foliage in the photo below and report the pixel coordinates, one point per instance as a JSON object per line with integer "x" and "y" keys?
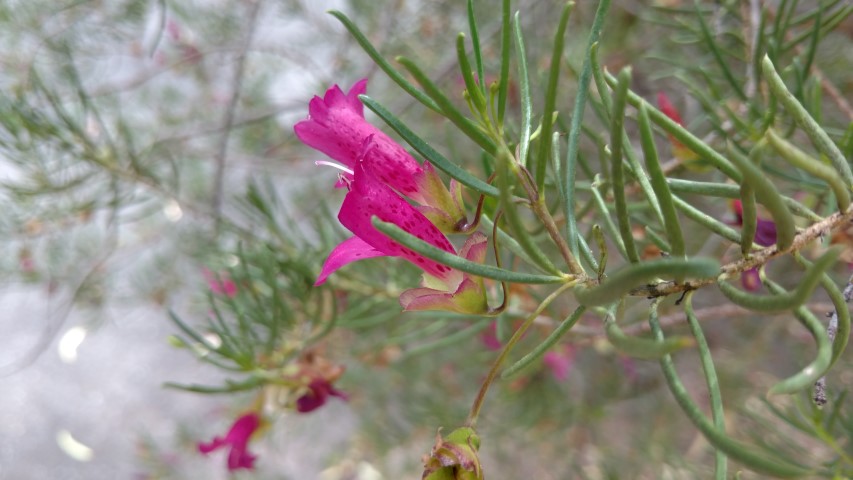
{"x": 764, "y": 123}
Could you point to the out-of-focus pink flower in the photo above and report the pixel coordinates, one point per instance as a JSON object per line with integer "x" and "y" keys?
{"x": 765, "y": 235}
{"x": 237, "y": 441}
{"x": 489, "y": 337}
{"x": 220, "y": 284}
{"x": 765, "y": 231}
{"x": 560, "y": 362}
{"x": 679, "y": 150}
{"x": 629, "y": 368}
{"x": 444, "y": 288}
{"x": 336, "y": 126}
{"x": 319, "y": 390}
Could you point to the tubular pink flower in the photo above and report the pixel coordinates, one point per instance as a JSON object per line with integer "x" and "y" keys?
{"x": 336, "y": 126}
{"x": 444, "y": 288}
{"x": 220, "y": 284}
{"x": 765, "y": 235}
{"x": 237, "y": 440}
{"x": 467, "y": 296}
{"x": 560, "y": 362}
{"x": 368, "y": 198}
{"x": 319, "y": 390}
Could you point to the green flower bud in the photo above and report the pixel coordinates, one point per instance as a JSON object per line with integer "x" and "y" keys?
{"x": 454, "y": 457}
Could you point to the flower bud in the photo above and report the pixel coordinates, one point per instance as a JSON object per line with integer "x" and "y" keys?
{"x": 454, "y": 457}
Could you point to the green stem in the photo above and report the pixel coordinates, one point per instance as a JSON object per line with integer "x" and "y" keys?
{"x": 617, "y": 122}
{"x": 740, "y": 451}
{"x": 818, "y": 135}
{"x": 569, "y": 170}
{"x": 712, "y": 381}
{"x": 510, "y": 344}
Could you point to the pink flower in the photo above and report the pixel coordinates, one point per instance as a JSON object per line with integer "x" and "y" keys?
{"x": 236, "y": 440}
{"x": 765, "y": 232}
{"x": 679, "y": 150}
{"x": 560, "y": 362}
{"x": 765, "y": 235}
{"x": 319, "y": 390}
{"x": 489, "y": 337}
{"x": 444, "y": 288}
{"x": 336, "y": 126}
{"x": 220, "y": 284}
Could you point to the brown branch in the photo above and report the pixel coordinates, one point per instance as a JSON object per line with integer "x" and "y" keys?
{"x": 756, "y": 259}
{"x": 228, "y": 122}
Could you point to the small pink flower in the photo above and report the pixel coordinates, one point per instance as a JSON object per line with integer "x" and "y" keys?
{"x": 444, "y": 288}
{"x": 765, "y": 232}
{"x": 319, "y": 390}
{"x": 220, "y": 284}
{"x": 237, "y": 440}
{"x": 336, "y": 126}
{"x": 679, "y": 151}
{"x": 765, "y": 235}
{"x": 560, "y": 362}
{"x": 489, "y": 337}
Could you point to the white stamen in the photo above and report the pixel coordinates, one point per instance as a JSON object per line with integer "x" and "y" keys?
{"x": 334, "y": 165}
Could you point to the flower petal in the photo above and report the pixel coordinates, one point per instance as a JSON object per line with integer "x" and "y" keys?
{"x": 468, "y": 298}
{"x": 348, "y": 251}
{"x": 237, "y": 438}
{"x": 369, "y": 197}
{"x": 336, "y": 127}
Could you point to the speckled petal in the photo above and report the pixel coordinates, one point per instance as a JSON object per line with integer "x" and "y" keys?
{"x": 369, "y": 197}
{"x": 350, "y": 250}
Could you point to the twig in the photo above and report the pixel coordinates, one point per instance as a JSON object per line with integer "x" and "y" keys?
{"x": 757, "y": 259}
{"x": 831, "y": 331}
{"x": 236, "y": 87}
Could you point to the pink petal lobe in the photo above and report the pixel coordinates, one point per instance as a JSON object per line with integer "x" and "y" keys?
{"x": 468, "y": 298}
{"x": 369, "y": 198}
{"x": 475, "y": 248}
{"x": 348, "y": 251}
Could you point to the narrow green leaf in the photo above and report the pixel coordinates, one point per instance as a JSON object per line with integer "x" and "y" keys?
{"x": 800, "y": 159}
{"x": 453, "y": 114}
{"x": 645, "y": 348}
{"x": 523, "y": 93}
{"x": 622, "y": 281}
{"x": 503, "y": 87}
{"x": 551, "y": 95}
{"x": 818, "y": 136}
{"x": 382, "y": 63}
{"x": 749, "y": 218}
{"x": 546, "y": 344}
{"x": 681, "y": 134}
{"x": 435, "y": 158}
{"x": 474, "y": 92}
{"x": 718, "y": 55}
{"x": 612, "y": 230}
{"x": 658, "y": 179}
{"x": 446, "y": 258}
{"x": 786, "y": 301}
{"x": 746, "y": 454}
{"x": 706, "y": 220}
{"x": 726, "y": 190}
{"x": 841, "y": 314}
{"x": 475, "y": 43}
{"x": 806, "y": 377}
{"x": 717, "y": 413}
{"x": 617, "y": 121}
{"x": 569, "y": 169}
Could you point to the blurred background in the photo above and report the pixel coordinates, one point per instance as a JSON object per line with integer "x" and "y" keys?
{"x": 147, "y": 143}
